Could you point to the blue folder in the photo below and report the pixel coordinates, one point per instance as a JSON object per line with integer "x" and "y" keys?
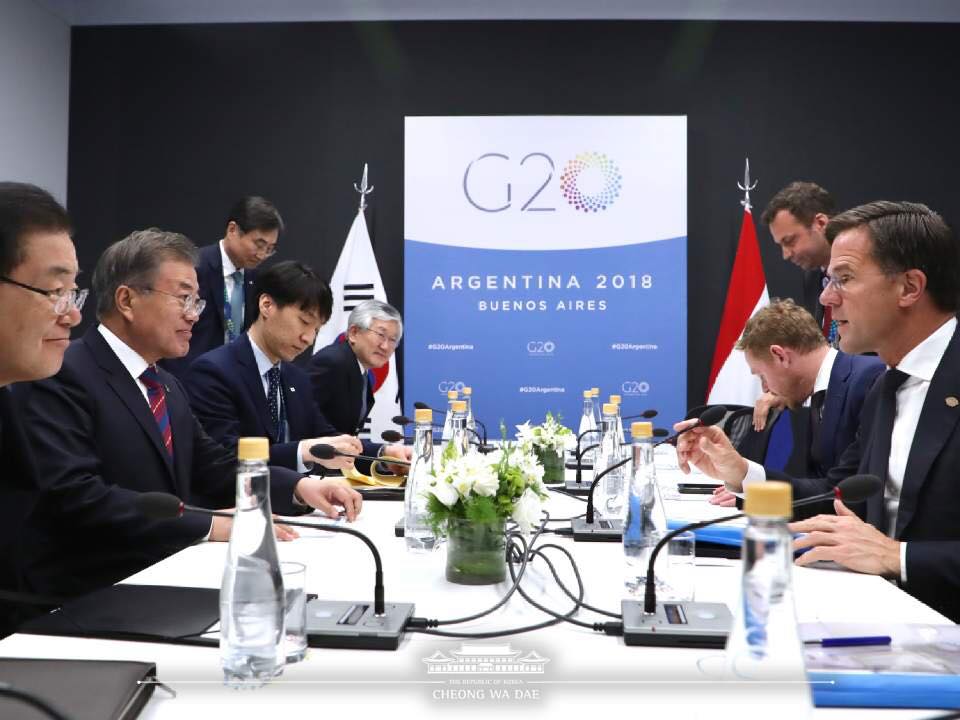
{"x": 885, "y": 690}
{"x": 717, "y": 534}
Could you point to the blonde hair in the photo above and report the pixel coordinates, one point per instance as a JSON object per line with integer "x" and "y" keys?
{"x": 782, "y": 322}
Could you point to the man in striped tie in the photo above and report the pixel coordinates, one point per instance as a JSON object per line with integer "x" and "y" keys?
{"x": 111, "y": 424}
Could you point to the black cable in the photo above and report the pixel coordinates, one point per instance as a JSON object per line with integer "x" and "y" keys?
{"x": 509, "y": 593}
{"x": 563, "y": 586}
{"x": 567, "y": 617}
{"x": 948, "y": 716}
{"x": 567, "y": 519}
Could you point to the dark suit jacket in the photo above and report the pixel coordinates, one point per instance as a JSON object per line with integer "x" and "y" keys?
{"x": 18, "y": 493}
{"x": 812, "y": 287}
{"x": 929, "y": 514}
{"x": 97, "y": 446}
{"x": 226, "y": 393}
{"x": 337, "y": 382}
{"x": 208, "y": 332}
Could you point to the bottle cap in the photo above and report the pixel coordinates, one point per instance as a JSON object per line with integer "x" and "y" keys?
{"x": 609, "y": 409}
{"x": 451, "y": 394}
{"x": 595, "y": 392}
{"x": 615, "y": 399}
{"x": 769, "y": 499}
{"x": 587, "y": 394}
{"x": 253, "y": 448}
{"x": 423, "y": 415}
{"x": 459, "y": 406}
{"x": 641, "y": 430}
{"x": 468, "y": 391}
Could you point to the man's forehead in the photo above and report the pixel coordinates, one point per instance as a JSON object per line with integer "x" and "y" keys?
{"x": 181, "y": 274}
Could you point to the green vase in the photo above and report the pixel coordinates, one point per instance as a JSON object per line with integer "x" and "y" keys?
{"x": 552, "y": 461}
{"x": 476, "y": 552}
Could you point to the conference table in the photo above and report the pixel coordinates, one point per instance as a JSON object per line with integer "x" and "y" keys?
{"x": 559, "y": 671}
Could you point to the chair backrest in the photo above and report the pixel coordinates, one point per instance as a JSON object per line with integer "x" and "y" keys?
{"x": 738, "y": 425}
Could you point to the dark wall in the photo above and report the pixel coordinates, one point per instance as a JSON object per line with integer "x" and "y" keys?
{"x": 170, "y": 124}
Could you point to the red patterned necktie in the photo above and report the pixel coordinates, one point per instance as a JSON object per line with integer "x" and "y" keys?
{"x": 157, "y": 398}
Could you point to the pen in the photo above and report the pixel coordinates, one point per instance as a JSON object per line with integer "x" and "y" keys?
{"x": 851, "y": 641}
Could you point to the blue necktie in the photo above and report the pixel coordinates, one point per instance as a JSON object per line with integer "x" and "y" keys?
{"x": 233, "y": 307}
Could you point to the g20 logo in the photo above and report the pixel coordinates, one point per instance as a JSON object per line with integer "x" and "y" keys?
{"x": 446, "y": 386}
{"x": 541, "y": 347}
{"x": 590, "y": 182}
{"x": 635, "y": 387}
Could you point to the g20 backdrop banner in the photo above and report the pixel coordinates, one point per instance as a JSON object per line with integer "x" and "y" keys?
{"x": 544, "y": 256}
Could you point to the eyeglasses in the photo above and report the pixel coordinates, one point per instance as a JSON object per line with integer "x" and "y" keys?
{"x": 839, "y": 282}
{"x": 264, "y": 248}
{"x": 190, "y": 303}
{"x": 63, "y": 300}
{"x": 384, "y": 338}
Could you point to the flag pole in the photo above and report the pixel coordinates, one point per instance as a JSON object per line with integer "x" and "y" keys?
{"x": 363, "y": 189}
{"x": 746, "y": 187}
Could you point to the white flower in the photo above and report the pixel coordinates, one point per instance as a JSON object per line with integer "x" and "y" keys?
{"x": 526, "y": 510}
{"x": 525, "y": 433}
{"x": 486, "y": 481}
{"x": 444, "y": 492}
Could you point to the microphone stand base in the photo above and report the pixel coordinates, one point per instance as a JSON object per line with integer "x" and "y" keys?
{"x": 582, "y": 488}
{"x": 601, "y": 530}
{"x": 677, "y": 624}
{"x": 353, "y": 625}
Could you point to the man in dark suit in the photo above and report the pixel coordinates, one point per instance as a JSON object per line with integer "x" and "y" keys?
{"x": 111, "y": 425}
{"x": 797, "y": 216}
{"x": 894, "y": 289}
{"x": 38, "y": 271}
{"x": 226, "y": 273}
{"x": 340, "y": 373}
{"x": 251, "y": 387}
{"x": 784, "y": 347}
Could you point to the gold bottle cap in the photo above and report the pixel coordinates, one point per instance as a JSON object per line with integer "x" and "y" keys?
{"x": 609, "y": 408}
{"x": 468, "y": 391}
{"x": 769, "y": 499}
{"x": 595, "y": 392}
{"x": 615, "y": 399}
{"x": 452, "y": 394}
{"x": 459, "y": 406}
{"x": 423, "y": 415}
{"x": 587, "y": 394}
{"x": 641, "y": 430}
{"x": 253, "y": 448}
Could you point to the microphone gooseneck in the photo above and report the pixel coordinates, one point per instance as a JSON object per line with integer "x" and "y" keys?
{"x": 163, "y": 506}
{"x": 710, "y": 416}
{"x": 328, "y": 452}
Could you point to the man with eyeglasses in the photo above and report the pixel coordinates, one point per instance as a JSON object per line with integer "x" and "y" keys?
{"x": 340, "y": 373}
{"x": 111, "y": 425}
{"x": 895, "y": 289}
{"x": 41, "y": 303}
{"x": 226, "y": 273}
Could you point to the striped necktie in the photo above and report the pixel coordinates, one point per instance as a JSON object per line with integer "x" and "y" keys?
{"x": 157, "y": 398}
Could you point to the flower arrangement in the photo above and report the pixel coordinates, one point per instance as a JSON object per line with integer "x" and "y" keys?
{"x": 507, "y": 483}
{"x": 550, "y": 435}
{"x": 548, "y": 441}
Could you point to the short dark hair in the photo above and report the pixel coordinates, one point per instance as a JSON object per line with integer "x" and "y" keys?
{"x": 24, "y": 209}
{"x": 908, "y": 236}
{"x": 803, "y": 200}
{"x": 292, "y": 283}
{"x": 255, "y": 213}
{"x": 133, "y": 262}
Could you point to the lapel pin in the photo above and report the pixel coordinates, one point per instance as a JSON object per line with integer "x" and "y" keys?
{"x": 294, "y": 390}
{"x": 952, "y": 401}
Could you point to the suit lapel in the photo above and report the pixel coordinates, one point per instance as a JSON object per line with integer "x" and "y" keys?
{"x": 354, "y": 383}
{"x": 251, "y": 304}
{"x": 129, "y": 393}
{"x": 297, "y": 421}
{"x": 251, "y": 378}
{"x": 181, "y": 425}
{"x": 937, "y": 422}
{"x": 214, "y": 268}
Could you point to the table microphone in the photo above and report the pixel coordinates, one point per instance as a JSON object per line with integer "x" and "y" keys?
{"x": 611, "y": 530}
{"x": 329, "y": 623}
{"x": 392, "y": 436}
{"x": 710, "y": 416}
{"x": 328, "y": 452}
{"x": 692, "y": 624}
